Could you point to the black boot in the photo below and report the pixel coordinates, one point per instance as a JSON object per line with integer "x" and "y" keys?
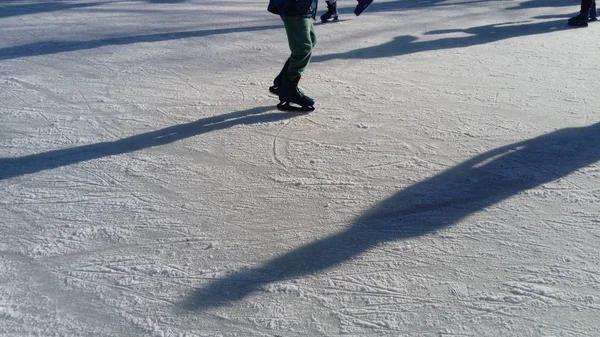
{"x": 580, "y": 20}
{"x": 290, "y": 94}
{"x": 331, "y": 13}
{"x": 362, "y": 5}
{"x": 274, "y": 89}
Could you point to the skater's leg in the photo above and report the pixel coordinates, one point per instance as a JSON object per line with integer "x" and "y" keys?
{"x": 362, "y": 5}
{"x": 301, "y": 39}
{"x": 331, "y": 13}
{"x": 586, "y": 5}
{"x": 313, "y": 35}
{"x": 274, "y": 89}
{"x": 593, "y": 13}
{"x": 582, "y": 19}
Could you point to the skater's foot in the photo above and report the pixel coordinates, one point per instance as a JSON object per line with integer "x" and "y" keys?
{"x": 291, "y": 98}
{"x": 578, "y": 21}
{"x": 325, "y": 18}
{"x": 362, "y": 5}
{"x": 331, "y": 13}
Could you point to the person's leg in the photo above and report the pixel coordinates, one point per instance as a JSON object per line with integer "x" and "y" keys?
{"x": 301, "y": 40}
{"x": 299, "y": 43}
{"x": 332, "y": 12}
{"x": 300, "y": 35}
{"x": 593, "y": 13}
{"x": 582, "y": 19}
{"x": 362, "y": 5}
{"x": 586, "y": 5}
{"x": 274, "y": 89}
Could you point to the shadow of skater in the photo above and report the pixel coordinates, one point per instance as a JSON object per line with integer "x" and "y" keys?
{"x": 44, "y": 7}
{"x": 541, "y": 4}
{"x": 63, "y": 46}
{"x": 406, "y": 44}
{"x": 425, "y": 207}
{"x": 14, "y": 167}
{"x": 403, "y": 5}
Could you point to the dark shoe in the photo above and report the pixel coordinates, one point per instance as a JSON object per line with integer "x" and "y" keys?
{"x": 362, "y": 5}
{"x": 331, "y": 13}
{"x": 580, "y": 20}
{"x": 274, "y": 89}
{"x": 290, "y": 94}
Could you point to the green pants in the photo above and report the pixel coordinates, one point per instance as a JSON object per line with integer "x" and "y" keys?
{"x": 301, "y": 38}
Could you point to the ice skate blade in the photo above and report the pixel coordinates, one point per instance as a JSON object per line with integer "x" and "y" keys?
{"x": 286, "y": 106}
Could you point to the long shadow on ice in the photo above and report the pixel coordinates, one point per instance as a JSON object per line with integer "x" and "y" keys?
{"x": 403, "y": 5}
{"x": 43, "y": 7}
{"x": 63, "y": 46}
{"x": 544, "y": 3}
{"x": 406, "y": 44}
{"x": 426, "y": 207}
{"x": 14, "y": 167}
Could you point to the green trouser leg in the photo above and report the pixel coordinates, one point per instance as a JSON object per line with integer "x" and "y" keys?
{"x": 301, "y": 38}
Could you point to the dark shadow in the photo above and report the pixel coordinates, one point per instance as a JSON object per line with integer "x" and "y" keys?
{"x": 544, "y": 3}
{"x": 406, "y": 44}
{"x": 426, "y": 207}
{"x": 14, "y": 167}
{"x": 556, "y": 16}
{"x": 29, "y": 8}
{"x": 63, "y": 46}
{"x": 402, "y": 5}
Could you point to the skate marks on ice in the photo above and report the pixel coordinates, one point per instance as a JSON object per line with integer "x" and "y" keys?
{"x": 36, "y": 303}
{"x": 406, "y": 44}
{"x": 426, "y": 207}
{"x": 15, "y": 167}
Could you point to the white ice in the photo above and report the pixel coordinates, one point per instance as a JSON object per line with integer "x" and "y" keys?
{"x": 447, "y": 185}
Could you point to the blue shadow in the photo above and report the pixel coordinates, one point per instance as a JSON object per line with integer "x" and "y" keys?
{"x": 15, "y": 167}
{"x": 426, "y": 207}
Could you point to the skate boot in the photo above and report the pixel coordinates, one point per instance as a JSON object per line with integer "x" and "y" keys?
{"x": 331, "y": 13}
{"x": 274, "y": 89}
{"x": 593, "y": 15}
{"x": 362, "y": 5}
{"x": 580, "y": 20}
{"x": 290, "y": 94}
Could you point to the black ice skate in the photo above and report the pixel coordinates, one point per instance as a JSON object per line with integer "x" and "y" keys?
{"x": 332, "y": 13}
{"x": 580, "y": 20}
{"x": 274, "y": 89}
{"x": 293, "y": 99}
{"x": 362, "y": 5}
